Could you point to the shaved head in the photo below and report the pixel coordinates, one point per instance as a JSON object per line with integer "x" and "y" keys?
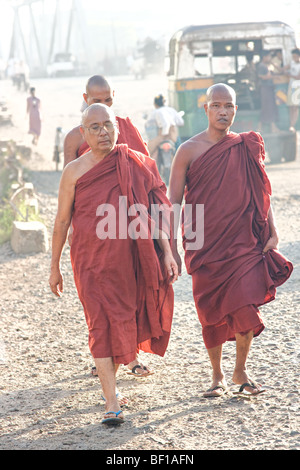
{"x": 101, "y": 110}
{"x": 220, "y": 108}
{"x": 97, "y": 81}
{"x": 99, "y": 128}
{"x": 98, "y": 90}
{"x": 220, "y": 88}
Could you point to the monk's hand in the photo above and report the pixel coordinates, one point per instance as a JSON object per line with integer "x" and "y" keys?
{"x": 56, "y": 282}
{"x": 272, "y": 244}
{"x": 177, "y": 259}
{"x": 171, "y": 267}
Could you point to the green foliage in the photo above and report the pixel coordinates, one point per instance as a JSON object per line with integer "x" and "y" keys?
{"x": 8, "y": 213}
{"x": 6, "y": 222}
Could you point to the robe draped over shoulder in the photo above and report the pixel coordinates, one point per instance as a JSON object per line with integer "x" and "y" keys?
{"x": 231, "y": 276}
{"x": 128, "y": 134}
{"x": 121, "y": 280}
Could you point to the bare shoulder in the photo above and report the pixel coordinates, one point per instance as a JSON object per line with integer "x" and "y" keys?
{"x": 191, "y": 149}
{"x": 72, "y": 172}
{"x": 72, "y": 142}
{"x": 74, "y": 135}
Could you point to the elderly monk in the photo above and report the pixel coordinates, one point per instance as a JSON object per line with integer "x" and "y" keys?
{"x": 123, "y": 277}
{"x": 99, "y": 90}
{"x": 237, "y": 266}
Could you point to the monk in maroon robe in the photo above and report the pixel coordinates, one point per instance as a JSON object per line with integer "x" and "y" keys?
{"x": 235, "y": 267}
{"x": 99, "y": 90}
{"x": 123, "y": 273}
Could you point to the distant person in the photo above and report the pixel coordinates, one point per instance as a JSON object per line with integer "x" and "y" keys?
{"x": 279, "y": 75}
{"x": 249, "y": 71}
{"x": 123, "y": 280}
{"x": 99, "y": 90}
{"x": 162, "y": 124}
{"x": 269, "y": 112}
{"x": 249, "y": 81}
{"x": 23, "y": 75}
{"x": 294, "y": 88}
{"x": 233, "y": 257}
{"x": 33, "y": 109}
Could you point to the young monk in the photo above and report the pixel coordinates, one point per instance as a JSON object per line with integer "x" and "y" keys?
{"x": 98, "y": 90}
{"x": 237, "y": 267}
{"x": 123, "y": 282}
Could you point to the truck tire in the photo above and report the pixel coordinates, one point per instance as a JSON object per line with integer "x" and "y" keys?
{"x": 281, "y": 147}
{"x": 273, "y": 147}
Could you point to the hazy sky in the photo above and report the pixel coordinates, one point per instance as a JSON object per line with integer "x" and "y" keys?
{"x": 153, "y": 16}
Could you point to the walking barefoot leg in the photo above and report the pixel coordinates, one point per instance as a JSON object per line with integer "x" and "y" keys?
{"x": 107, "y": 374}
{"x": 240, "y": 375}
{"x": 219, "y": 385}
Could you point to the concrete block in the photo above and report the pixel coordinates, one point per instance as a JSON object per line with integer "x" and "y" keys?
{"x": 29, "y": 237}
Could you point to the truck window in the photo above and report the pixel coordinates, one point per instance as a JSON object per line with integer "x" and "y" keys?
{"x": 223, "y": 65}
{"x": 202, "y": 65}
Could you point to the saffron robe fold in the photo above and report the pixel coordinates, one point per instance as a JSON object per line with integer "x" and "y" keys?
{"x": 128, "y": 134}
{"x": 121, "y": 281}
{"x": 231, "y": 276}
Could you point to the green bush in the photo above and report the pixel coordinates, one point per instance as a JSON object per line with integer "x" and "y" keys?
{"x": 6, "y": 222}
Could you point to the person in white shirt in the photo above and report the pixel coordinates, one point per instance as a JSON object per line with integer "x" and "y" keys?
{"x": 162, "y": 124}
{"x": 293, "y": 99}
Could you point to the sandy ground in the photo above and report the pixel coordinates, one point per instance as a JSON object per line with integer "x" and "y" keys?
{"x": 49, "y": 400}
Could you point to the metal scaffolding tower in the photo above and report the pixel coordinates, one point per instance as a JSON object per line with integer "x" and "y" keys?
{"x": 45, "y": 49}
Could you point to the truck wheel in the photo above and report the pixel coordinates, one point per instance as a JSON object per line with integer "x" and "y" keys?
{"x": 281, "y": 146}
{"x": 290, "y": 148}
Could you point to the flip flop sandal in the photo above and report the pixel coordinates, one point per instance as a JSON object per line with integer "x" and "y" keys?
{"x": 252, "y": 385}
{"x": 113, "y": 421}
{"x": 209, "y": 393}
{"x": 134, "y": 372}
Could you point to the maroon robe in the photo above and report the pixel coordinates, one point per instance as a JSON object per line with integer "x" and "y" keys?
{"x": 231, "y": 276}
{"x": 121, "y": 282}
{"x": 128, "y": 134}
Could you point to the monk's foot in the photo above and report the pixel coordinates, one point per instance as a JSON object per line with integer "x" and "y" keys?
{"x": 217, "y": 389}
{"x": 123, "y": 401}
{"x": 113, "y": 413}
{"x": 113, "y": 418}
{"x": 138, "y": 369}
{"x": 247, "y": 385}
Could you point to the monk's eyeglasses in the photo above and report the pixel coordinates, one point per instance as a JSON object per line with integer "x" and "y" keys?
{"x": 96, "y": 129}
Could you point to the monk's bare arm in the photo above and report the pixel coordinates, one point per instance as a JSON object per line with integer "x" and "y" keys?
{"x": 72, "y": 142}
{"x": 180, "y": 166}
{"x": 272, "y": 243}
{"x": 62, "y": 222}
{"x": 177, "y": 183}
